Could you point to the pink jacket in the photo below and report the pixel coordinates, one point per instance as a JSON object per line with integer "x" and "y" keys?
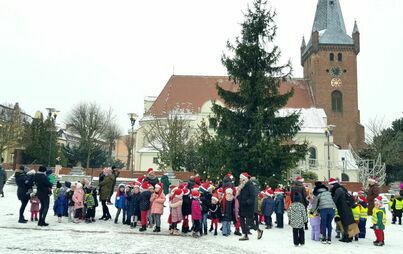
{"x": 78, "y": 198}
{"x": 176, "y": 209}
{"x": 35, "y": 204}
{"x": 157, "y": 203}
{"x": 196, "y": 210}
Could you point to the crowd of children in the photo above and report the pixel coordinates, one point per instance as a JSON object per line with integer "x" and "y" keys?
{"x": 196, "y": 205}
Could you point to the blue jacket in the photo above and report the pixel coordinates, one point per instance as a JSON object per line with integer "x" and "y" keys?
{"x": 279, "y": 203}
{"x": 267, "y": 206}
{"x": 61, "y": 202}
{"x": 120, "y": 200}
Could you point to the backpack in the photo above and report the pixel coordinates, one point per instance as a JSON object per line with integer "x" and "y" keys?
{"x": 349, "y": 198}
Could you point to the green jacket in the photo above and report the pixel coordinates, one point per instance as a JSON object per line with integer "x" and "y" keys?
{"x": 107, "y": 185}
{"x": 165, "y": 181}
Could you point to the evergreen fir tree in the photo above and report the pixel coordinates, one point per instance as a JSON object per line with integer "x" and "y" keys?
{"x": 253, "y": 136}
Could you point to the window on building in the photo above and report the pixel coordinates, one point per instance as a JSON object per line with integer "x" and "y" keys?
{"x": 155, "y": 160}
{"x": 331, "y": 57}
{"x": 312, "y": 157}
{"x": 340, "y": 57}
{"x": 337, "y": 101}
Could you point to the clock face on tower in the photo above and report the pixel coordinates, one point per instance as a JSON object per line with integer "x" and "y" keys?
{"x": 336, "y": 82}
{"x": 336, "y": 72}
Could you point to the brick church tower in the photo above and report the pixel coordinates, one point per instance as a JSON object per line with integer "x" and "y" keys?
{"x": 330, "y": 68}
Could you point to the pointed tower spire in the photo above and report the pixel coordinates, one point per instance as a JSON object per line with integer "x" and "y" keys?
{"x": 303, "y": 44}
{"x": 355, "y": 30}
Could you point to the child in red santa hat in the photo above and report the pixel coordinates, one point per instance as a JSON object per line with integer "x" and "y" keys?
{"x": 145, "y": 204}
{"x": 196, "y": 213}
{"x": 175, "y": 206}
{"x": 186, "y": 209}
{"x": 215, "y": 213}
{"x": 157, "y": 208}
{"x": 379, "y": 222}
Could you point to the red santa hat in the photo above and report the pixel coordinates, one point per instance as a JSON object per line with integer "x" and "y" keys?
{"x": 269, "y": 192}
{"x": 362, "y": 199}
{"x": 205, "y": 186}
{"x": 378, "y": 200}
{"x": 230, "y": 176}
{"x": 278, "y": 191}
{"x": 372, "y": 179}
{"x": 195, "y": 187}
{"x": 136, "y": 185}
{"x": 178, "y": 193}
{"x": 182, "y": 186}
{"x": 172, "y": 188}
{"x": 186, "y": 191}
{"x": 159, "y": 185}
{"x": 215, "y": 197}
{"x": 220, "y": 191}
{"x": 145, "y": 186}
{"x": 140, "y": 179}
{"x": 300, "y": 179}
{"x": 195, "y": 193}
{"x": 332, "y": 181}
{"x": 244, "y": 176}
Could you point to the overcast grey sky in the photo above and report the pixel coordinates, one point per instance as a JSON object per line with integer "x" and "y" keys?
{"x": 58, "y": 53}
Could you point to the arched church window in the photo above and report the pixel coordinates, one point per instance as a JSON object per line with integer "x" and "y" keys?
{"x": 340, "y": 57}
{"x": 331, "y": 57}
{"x": 337, "y": 101}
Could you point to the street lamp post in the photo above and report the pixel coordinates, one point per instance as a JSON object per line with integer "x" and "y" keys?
{"x": 329, "y": 132}
{"x": 52, "y": 115}
{"x": 133, "y": 118}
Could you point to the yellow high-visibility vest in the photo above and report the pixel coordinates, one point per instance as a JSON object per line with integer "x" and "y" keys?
{"x": 375, "y": 216}
{"x": 356, "y": 212}
{"x": 399, "y": 204}
{"x": 363, "y": 212}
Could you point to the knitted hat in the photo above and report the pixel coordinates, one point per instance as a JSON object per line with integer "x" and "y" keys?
{"x": 122, "y": 185}
{"x": 332, "y": 181}
{"x": 195, "y": 193}
{"x": 300, "y": 179}
{"x": 58, "y": 184}
{"x": 244, "y": 176}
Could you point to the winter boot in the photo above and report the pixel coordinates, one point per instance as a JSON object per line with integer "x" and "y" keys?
{"x": 237, "y": 233}
{"x": 329, "y": 241}
{"x": 323, "y": 241}
{"x": 133, "y": 224}
{"x": 244, "y": 238}
{"x": 195, "y": 235}
{"x": 215, "y": 232}
{"x": 338, "y": 235}
{"x": 211, "y": 228}
{"x": 356, "y": 238}
{"x": 157, "y": 229}
{"x": 143, "y": 228}
{"x": 379, "y": 244}
{"x": 32, "y": 219}
{"x": 116, "y": 220}
{"x": 205, "y": 230}
{"x": 259, "y": 234}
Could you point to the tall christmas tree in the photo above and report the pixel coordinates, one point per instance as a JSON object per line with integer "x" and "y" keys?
{"x": 249, "y": 129}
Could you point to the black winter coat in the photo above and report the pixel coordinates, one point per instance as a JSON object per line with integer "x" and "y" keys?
{"x": 246, "y": 200}
{"x": 145, "y": 200}
{"x": 43, "y": 185}
{"x": 205, "y": 200}
{"x": 344, "y": 210}
{"x": 215, "y": 211}
{"x": 136, "y": 204}
{"x": 227, "y": 210}
{"x": 186, "y": 205}
{"x": 24, "y": 184}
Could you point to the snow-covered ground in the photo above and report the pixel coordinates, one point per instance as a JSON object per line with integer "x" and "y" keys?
{"x": 107, "y": 237}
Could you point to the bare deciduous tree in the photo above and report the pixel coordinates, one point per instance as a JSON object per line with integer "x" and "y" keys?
{"x": 112, "y": 133}
{"x": 90, "y": 122}
{"x": 169, "y": 136}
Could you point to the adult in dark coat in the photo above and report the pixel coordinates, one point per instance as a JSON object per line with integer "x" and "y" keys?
{"x": 372, "y": 193}
{"x": 105, "y": 188}
{"x": 3, "y": 179}
{"x": 24, "y": 184}
{"x": 44, "y": 190}
{"x": 299, "y": 189}
{"x": 246, "y": 200}
{"x": 151, "y": 178}
{"x": 344, "y": 210}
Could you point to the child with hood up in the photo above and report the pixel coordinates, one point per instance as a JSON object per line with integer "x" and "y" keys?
{"x": 120, "y": 201}
{"x": 70, "y": 201}
{"x": 89, "y": 203}
{"x": 157, "y": 208}
{"x": 78, "y": 198}
{"x": 279, "y": 208}
{"x": 60, "y": 201}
